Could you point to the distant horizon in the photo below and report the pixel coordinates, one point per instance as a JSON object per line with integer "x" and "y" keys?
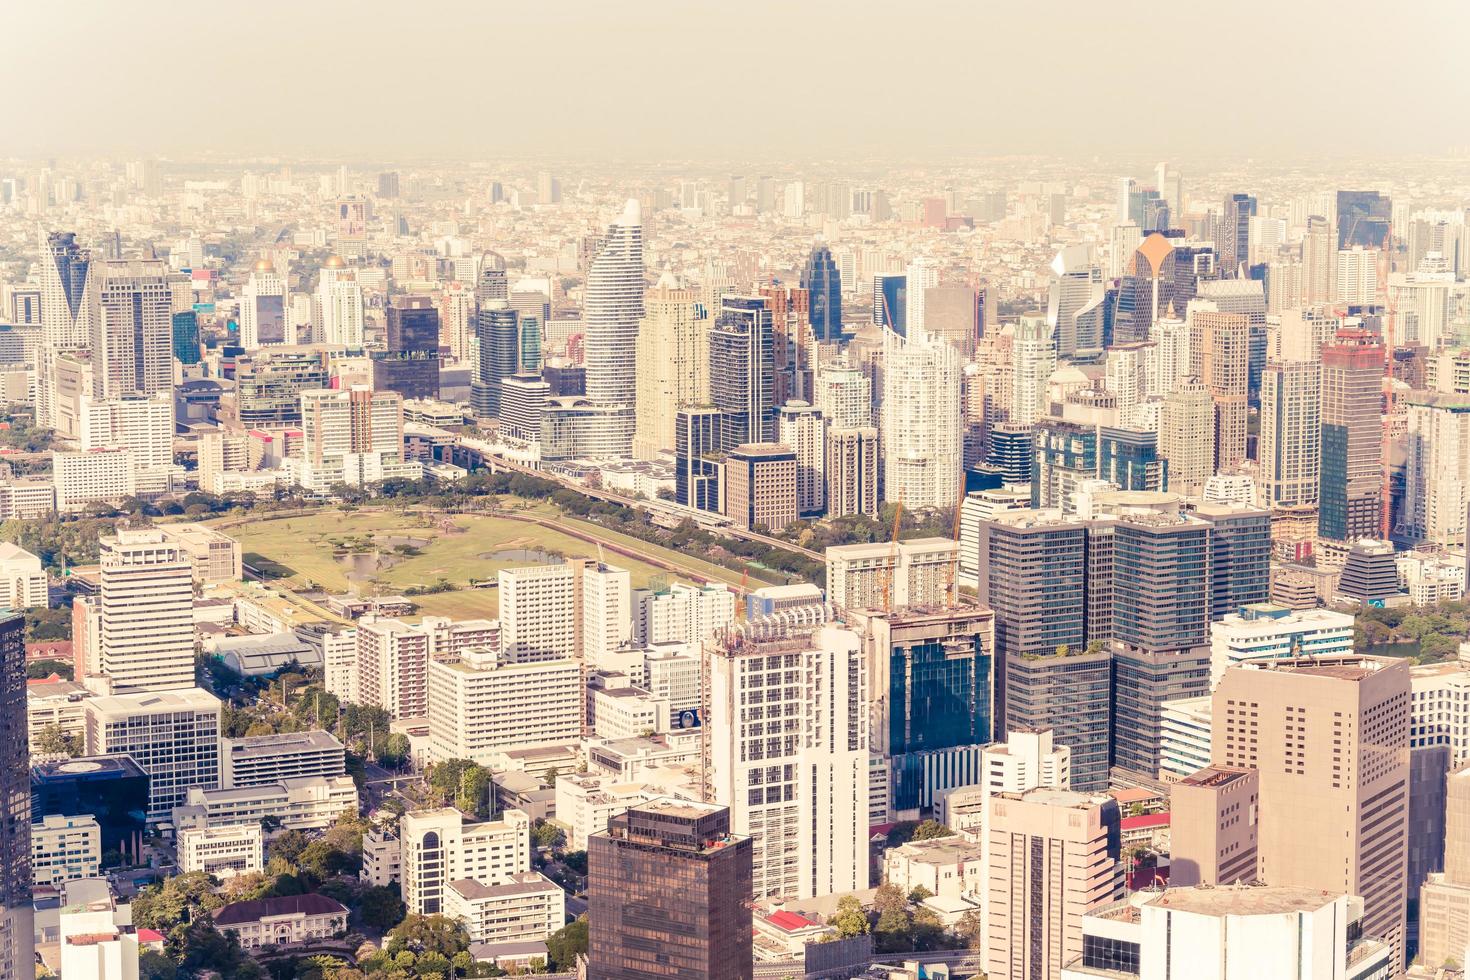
{"x": 759, "y": 80}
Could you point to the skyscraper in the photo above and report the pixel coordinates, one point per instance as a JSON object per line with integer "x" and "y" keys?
{"x": 1444, "y": 903}
{"x": 697, "y": 451}
{"x": 742, "y": 371}
{"x": 851, "y": 471}
{"x": 1329, "y": 738}
{"x": 1351, "y": 498}
{"x": 263, "y": 308}
{"x": 793, "y": 768}
{"x": 1234, "y": 237}
{"x": 1187, "y": 436}
{"x": 1076, "y": 302}
{"x": 1033, "y": 359}
{"x": 921, "y": 275}
{"x": 1220, "y": 349}
{"x": 613, "y": 307}
{"x": 802, "y": 427}
{"x": 1290, "y": 448}
{"x": 145, "y": 606}
{"x": 340, "y": 296}
{"x": 410, "y": 365}
{"x": 1319, "y": 261}
{"x": 922, "y": 429}
{"x": 132, "y": 329}
{"x": 673, "y": 364}
{"x": 17, "y": 944}
{"x": 668, "y": 894}
{"x": 67, "y": 309}
{"x": 823, "y": 284}
{"x": 1363, "y": 219}
{"x": 495, "y": 331}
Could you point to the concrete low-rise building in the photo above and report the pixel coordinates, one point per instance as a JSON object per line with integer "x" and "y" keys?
{"x": 260, "y": 760}
{"x": 382, "y": 858}
{"x": 949, "y": 867}
{"x": 311, "y": 803}
{"x": 528, "y": 907}
{"x": 223, "y": 851}
{"x": 585, "y": 803}
{"x": 64, "y": 849}
{"x": 283, "y": 921}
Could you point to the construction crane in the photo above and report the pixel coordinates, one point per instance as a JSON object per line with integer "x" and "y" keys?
{"x": 951, "y": 589}
{"x": 892, "y": 568}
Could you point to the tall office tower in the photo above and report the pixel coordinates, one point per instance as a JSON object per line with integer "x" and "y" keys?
{"x": 612, "y": 309}
{"x": 851, "y": 472}
{"x": 1169, "y": 354}
{"x": 268, "y": 387}
{"x": 1363, "y": 219}
{"x": 1127, "y": 191}
{"x": 186, "y": 343}
{"x": 668, "y": 893}
{"x": 607, "y": 610}
{"x": 1444, "y": 899}
{"x": 802, "y": 427}
{"x": 791, "y": 342}
{"x": 697, "y": 450}
{"x": 457, "y": 319}
{"x": 144, "y": 426}
{"x": 955, "y": 315}
{"x": 540, "y": 613}
{"x": 145, "y": 607}
{"x": 497, "y": 331}
{"x": 1186, "y": 436}
{"x": 1125, "y": 373}
{"x": 844, "y": 396}
{"x": 742, "y": 371}
{"x": 1240, "y": 555}
{"x": 173, "y": 736}
{"x": 340, "y": 296}
{"x": 759, "y": 485}
{"x": 793, "y": 769}
{"x": 673, "y": 364}
{"x": 263, "y": 308}
{"x": 338, "y": 423}
{"x": 1437, "y": 470}
{"x": 493, "y": 283}
{"x": 1357, "y": 276}
{"x": 1052, "y": 856}
{"x": 67, "y": 307}
{"x": 1161, "y": 609}
{"x": 410, "y": 365}
{"x": 922, "y": 429}
{"x": 1246, "y": 296}
{"x": 1220, "y": 345}
{"x": 132, "y": 328}
{"x": 1234, "y": 237}
{"x": 933, "y": 680}
{"x": 523, "y": 402}
{"x": 1351, "y": 500}
{"x": 921, "y": 275}
{"x": 1319, "y": 262}
{"x": 890, "y": 303}
{"x": 1290, "y": 442}
{"x": 548, "y": 189}
{"x": 820, "y": 279}
{"x": 1033, "y": 359}
{"x": 1328, "y": 736}
{"x": 388, "y": 184}
{"x": 1215, "y": 827}
{"x": 17, "y": 944}
{"x": 1077, "y": 302}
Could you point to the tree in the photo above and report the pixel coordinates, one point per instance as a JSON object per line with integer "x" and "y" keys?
{"x": 917, "y": 896}
{"x": 51, "y": 740}
{"x": 567, "y": 943}
{"x": 931, "y": 830}
{"x": 889, "y": 898}
{"x": 849, "y": 920}
{"x": 395, "y": 751}
{"x": 380, "y": 908}
{"x": 548, "y": 836}
{"x": 164, "y": 906}
{"x": 41, "y": 669}
{"x": 968, "y": 929}
{"x": 153, "y": 965}
{"x": 891, "y": 935}
{"x": 434, "y": 963}
{"x": 429, "y": 934}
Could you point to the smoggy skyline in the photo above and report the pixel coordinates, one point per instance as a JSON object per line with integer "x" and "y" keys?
{"x": 658, "y": 78}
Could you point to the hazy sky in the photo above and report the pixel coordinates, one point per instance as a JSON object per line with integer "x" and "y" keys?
{"x": 413, "y": 79}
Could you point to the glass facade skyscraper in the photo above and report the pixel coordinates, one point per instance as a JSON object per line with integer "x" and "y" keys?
{"x": 186, "y": 337}
{"x": 697, "y": 451}
{"x": 742, "y": 382}
{"x": 1363, "y": 218}
{"x": 496, "y": 329}
{"x": 17, "y": 942}
{"x": 823, "y": 283}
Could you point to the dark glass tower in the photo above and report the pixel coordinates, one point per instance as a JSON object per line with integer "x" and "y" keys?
{"x": 668, "y": 895}
{"x": 1363, "y": 218}
{"x": 410, "y": 366}
{"x": 1235, "y": 231}
{"x": 890, "y": 297}
{"x": 822, "y": 281}
{"x": 186, "y": 337}
{"x": 17, "y": 942}
{"x": 697, "y": 458}
{"x": 742, "y": 381}
{"x": 496, "y": 328}
{"x": 413, "y": 325}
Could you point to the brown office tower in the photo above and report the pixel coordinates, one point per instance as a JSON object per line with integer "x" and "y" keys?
{"x": 1329, "y": 737}
{"x": 760, "y": 486}
{"x": 1351, "y": 501}
{"x": 668, "y": 895}
{"x": 1213, "y": 827}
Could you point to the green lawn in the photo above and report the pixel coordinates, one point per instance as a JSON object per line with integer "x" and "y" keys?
{"x": 303, "y": 552}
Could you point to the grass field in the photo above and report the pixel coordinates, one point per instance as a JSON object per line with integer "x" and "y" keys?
{"x": 308, "y": 551}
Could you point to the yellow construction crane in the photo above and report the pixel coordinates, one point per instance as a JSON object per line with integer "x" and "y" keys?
{"x": 892, "y": 560}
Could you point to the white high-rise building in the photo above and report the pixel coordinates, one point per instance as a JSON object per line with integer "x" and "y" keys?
{"x": 923, "y": 439}
{"x": 145, "y": 606}
{"x": 144, "y": 425}
{"x": 673, "y": 364}
{"x": 457, "y": 319}
{"x": 68, "y": 304}
{"x": 172, "y": 735}
{"x": 613, "y": 307}
{"x": 339, "y": 296}
{"x": 263, "y": 320}
{"x": 1290, "y": 440}
{"x": 1437, "y": 474}
{"x": 1266, "y": 632}
{"x": 788, "y": 750}
{"x": 1026, "y": 760}
{"x": 393, "y": 664}
{"x": 844, "y": 396}
{"x": 1033, "y": 359}
{"x": 1126, "y": 377}
{"x": 480, "y": 705}
{"x": 1357, "y": 276}
{"x": 921, "y": 275}
{"x": 607, "y": 612}
{"x": 22, "y": 579}
{"x": 132, "y": 328}
{"x": 802, "y": 427}
{"x": 1169, "y": 356}
{"x": 1319, "y": 261}
{"x": 688, "y": 614}
{"x": 538, "y": 612}
{"x": 444, "y": 846}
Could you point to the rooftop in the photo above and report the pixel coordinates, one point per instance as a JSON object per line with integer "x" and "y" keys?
{"x": 1242, "y": 900}
{"x": 260, "y": 908}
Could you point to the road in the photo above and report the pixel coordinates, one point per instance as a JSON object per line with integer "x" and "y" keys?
{"x": 497, "y": 462}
